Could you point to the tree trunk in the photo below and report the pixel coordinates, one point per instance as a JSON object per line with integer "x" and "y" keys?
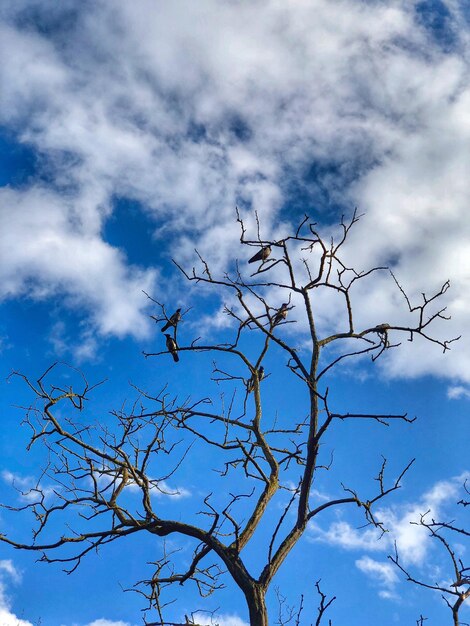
{"x": 257, "y": 606}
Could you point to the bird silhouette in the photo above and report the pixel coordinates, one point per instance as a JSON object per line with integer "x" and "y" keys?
{"x": 172, "y": 347}
{"x": 173, "y": 320}
{"x": 382, "y": 328}
{"x": 251, "y": 383}
{"x": 281, "y": 314}
{"x": 261, "y": 255}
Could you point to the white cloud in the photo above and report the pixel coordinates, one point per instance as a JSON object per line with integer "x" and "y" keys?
{"x": 84, "y": 347}
{"x": 6, "y": 565}
{"x": 10, "y": 619}
{"x": 382, "y": 572}
{"x": 27, "y": 486}
{"x": 455, "y": 392}
{"x": 151, "y": 105}
{"x": 230, "y": 620}
{"x": 48, "y": 250}
{"x": 412, "y": 540}
{"x": 160, "y": 488}
{"x": 9, "y": 573}
{"x": 219, "y": 619}
{"x": 344, "y": 535}
{"x": 157, "y": 488}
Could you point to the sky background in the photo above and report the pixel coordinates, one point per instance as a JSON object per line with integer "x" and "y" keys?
{"x": 128, "y": 134}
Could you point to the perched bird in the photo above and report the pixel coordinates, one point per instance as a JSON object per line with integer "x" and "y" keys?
{"x": 281, "y": 314}
{"x": 382, "y": 328}
{"x": 172, "y": 347}
{"x": 173, "y": 320}
{"x": 251, "y": 383}
{"x": 261, "y": 255}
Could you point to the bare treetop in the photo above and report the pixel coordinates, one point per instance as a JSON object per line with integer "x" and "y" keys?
{"x": 106, "y": 475}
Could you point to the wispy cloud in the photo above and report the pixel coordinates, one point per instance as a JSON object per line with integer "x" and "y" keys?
{"x": 6, "y": 566}
{"x": 382, "y": 573}
{"x": 83, "y": 347}
{"x": 221, "y": 619}
{"x": 161, "y": 488}
{"x": 412, "y": 540}
{"x": 9, "y": 574}
{"x": 456, "y": 392}
{"x": 158, "y": 488}
{"x": 27, "y": 487}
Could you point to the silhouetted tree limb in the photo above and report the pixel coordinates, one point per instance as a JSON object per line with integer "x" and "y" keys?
{"x": 456, "y": 591}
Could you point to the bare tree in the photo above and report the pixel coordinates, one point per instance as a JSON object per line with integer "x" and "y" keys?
{"x": 454, "y": 589}
{"x": 106, "y": 474}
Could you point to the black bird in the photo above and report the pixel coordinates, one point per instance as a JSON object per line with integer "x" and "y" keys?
{"x": 261, "y": 255}
{"x": 281, "y": 314}
{"x": 172, "y": 347}
{"x": 173, "y": 320}
{"x": 251, "y": 383}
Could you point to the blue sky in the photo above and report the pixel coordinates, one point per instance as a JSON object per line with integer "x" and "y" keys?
{"x": 128, "y": 134}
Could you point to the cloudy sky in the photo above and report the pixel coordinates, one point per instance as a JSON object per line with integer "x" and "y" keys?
{"x": 129, "y": 131}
